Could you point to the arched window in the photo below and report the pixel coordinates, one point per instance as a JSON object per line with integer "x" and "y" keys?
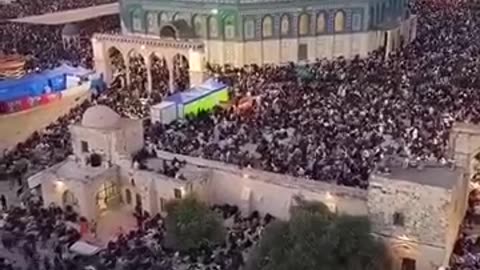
{"x": 321, "y": 23}
{"x": 163, "y": 17}
{"x": 229, "y": 27}
{"x": 339, "y": 21}
{"x": 181, "y": 16}
{"x": 371, "y": 17}
{"x": 249, "y": 29}
{"x": 267, "y": 26}
{"x": 152, "y": 24}
{"x": 137, "y": 20}
{"x": 212, "y": 27}
{"x": 304, "y": 24}
{"x": 285, "y": 25}
{"x": 128, "y": 196}
{"x": 199, "y": 25}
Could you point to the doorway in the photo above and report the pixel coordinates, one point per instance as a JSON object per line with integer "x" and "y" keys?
{"x": 302, "y": 52}
{"x": 108, "y": 196}
{"x": 408, "y": 264}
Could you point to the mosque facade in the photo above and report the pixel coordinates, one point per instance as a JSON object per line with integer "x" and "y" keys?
{"x": 239, "y": 32}
{"x": 417, "y": 211}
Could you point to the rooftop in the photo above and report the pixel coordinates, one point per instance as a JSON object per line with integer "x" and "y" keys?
{"x": 436, "y": 176}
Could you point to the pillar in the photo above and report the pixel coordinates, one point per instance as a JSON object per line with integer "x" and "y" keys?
{"x": 100, "y": 57}
{"x": 170, "y": 67}
{"x": 196, "y": 63}
{"x": 148, "y": 66}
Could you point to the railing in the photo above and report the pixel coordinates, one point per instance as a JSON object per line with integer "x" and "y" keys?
{"x": 167, "y": 43}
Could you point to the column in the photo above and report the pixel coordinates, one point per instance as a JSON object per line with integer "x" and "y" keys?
{"x": 148, "y": 65}
{"x": 196, "y": 63}
{"x": 100, "y": 57}
{"x": 149, "y": 80}
{"x": 170, "y": 74}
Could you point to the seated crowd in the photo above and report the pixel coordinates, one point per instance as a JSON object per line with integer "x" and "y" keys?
{"x": 43, "y": 237}
{"x": 23, "y": 8}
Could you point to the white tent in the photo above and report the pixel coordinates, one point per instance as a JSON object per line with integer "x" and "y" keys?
{"x": 84, "y": 248}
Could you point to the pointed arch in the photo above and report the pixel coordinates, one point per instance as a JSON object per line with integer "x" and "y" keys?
{"x": 321, "y": 22}
{"x": 181, "y": 74}
{"x": 267, "y": 26}
{"x": 339, "y": 21}
{"x": 304, "y": 24}
{"x": 229, "y": 27}
{"x": 163, "y": 18}
{"x": 152, "y": 22}
{"x": 199, "y": 25}
{"x": 137, "y": 25}
{"x": 212, "y": 27}
{"x": 116, "y": 60}
{"x": 138, "y": 73}
{"x": 285, "y": 25}
{"x": 249, "y": 28}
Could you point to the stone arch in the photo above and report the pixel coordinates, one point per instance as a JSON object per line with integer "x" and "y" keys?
{"x": 304, "y": 24}
{"x": 107, "y": 194}
{"x": 339, "y": 21}
{"x": 116, "y": 61}
{"x": 199, "y": 25}
{"x": 285, "y": 26}
{"x": 229, "y": 27}
{"x": 321, "y": 22}
{"x": 212, "y": 27}
{"x": 181, "y": 75}
{"x": 68, "y": 198}
{"x": 267, "y": 26}
{"x": 160, "y": 77}
{"x": 138, "y": 73}
{"x": 168, "y": 31}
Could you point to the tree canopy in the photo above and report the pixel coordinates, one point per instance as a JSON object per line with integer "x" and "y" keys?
{"x": 191, "y": 224}
{"x": 316, "y": 239}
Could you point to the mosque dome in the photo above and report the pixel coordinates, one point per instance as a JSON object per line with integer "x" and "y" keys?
{"x": 70, "y": 30}
{"x": 100, "y": 116}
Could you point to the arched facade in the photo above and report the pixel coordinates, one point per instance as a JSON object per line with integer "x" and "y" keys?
{"x": 285, "y": 25}
{"x": 321, "y": 22}
{"x": 340, "y": 21}
{"x": 236, "y": 33}
{"x": 304, "y": 24}
{"x": 267, "y": 27}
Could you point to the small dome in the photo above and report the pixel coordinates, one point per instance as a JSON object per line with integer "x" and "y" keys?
{"x": 100, "y": 116}
{"x": 70, "y": 30}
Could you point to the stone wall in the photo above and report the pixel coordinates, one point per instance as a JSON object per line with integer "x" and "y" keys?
{"x": 266, "y": 192}
{"x": 425, "y": 210}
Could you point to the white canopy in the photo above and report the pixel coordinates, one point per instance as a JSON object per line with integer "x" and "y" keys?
{"x": 84, "y": 248}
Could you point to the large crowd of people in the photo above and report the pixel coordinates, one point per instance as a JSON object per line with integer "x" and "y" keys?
{"x": 22, "y": 8}
{"x": 336, "y": 126}
{"x": 42, "y": 238}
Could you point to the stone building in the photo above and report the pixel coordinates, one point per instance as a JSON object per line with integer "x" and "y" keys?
{"x": 417, "y": 211}
{"x": 240, "y": 32}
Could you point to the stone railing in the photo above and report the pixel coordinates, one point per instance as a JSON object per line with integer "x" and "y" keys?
{"x": 268, "y": 177}
{"x": 154, "y": 42}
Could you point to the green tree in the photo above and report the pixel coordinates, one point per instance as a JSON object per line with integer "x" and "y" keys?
{"x": 191, "y": 224}
{"x": 316, "y": 239}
